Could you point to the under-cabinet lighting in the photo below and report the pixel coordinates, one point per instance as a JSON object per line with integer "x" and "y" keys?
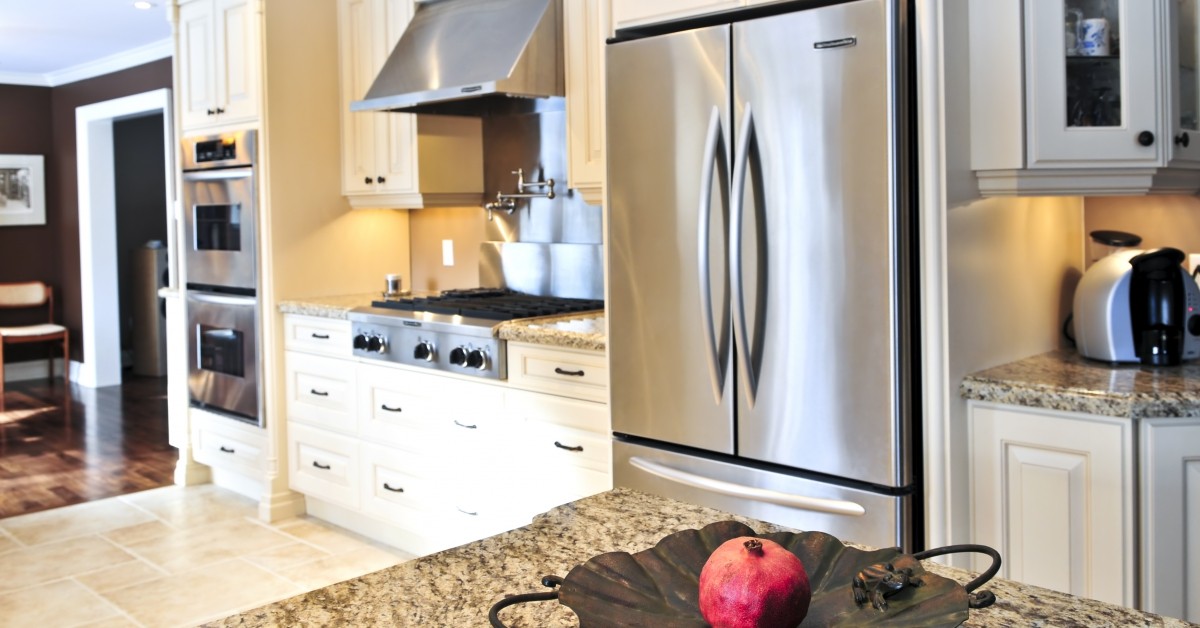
{"x": 143, "y": 5}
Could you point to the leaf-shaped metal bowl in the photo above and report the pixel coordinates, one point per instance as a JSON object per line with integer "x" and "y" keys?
{"x": 660, "y": 586}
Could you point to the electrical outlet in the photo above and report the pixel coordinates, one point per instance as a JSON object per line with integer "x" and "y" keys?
{"x": 447, "y": 252}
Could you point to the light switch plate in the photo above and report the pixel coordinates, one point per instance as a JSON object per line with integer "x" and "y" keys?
{"x": 447, "y": 252}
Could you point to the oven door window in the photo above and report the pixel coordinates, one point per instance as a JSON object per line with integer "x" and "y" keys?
{"x": 218, "y": 227}
{"x": 221, "y": 350}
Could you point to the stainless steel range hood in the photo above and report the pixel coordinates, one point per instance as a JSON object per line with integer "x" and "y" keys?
{"x": 474, "y": 57}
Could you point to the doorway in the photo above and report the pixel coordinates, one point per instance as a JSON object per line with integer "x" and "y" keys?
{"x": 98, "y": 239}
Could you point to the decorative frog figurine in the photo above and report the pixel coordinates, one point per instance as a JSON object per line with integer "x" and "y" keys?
{"x": 880, "y": 581}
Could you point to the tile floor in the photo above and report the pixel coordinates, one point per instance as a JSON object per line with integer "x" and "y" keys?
{"x": 173, "y": 556}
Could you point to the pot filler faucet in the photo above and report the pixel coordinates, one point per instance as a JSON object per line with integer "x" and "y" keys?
{"x": 508, "y": 203}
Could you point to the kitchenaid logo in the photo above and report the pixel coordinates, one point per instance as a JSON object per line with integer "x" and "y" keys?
{"x": 411, "y": 324}
{"x": 473, "y": 88}
{"x": 836, "y": 43}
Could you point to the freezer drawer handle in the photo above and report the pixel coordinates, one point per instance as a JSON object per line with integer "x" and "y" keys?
{"x": 561, "y": 371}
{"x": 818, "y": 504}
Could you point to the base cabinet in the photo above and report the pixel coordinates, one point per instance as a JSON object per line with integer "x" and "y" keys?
{"x": 1053, "y": 493}
{"x": 1170, "y": 485}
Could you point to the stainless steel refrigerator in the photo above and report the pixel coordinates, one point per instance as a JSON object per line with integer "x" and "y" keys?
{"x": 760, "y": 243}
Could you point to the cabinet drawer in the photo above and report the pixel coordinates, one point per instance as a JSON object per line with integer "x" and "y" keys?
{"x": 222, "y": 442}
{"x": 320, "y": 391}
{"x": 579, "y": 374}
{"x": 398, "y": 488}
{"x": 418, "y": 411}
{"x": 559, "y": 447}
{"x": 584, "y": 415}
{"x": 313, "y": 334}
{"x": 323, "y": 464}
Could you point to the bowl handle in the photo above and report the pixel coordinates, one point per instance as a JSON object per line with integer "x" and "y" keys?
{"x": 548, "y": 581}
{"x": 983, "y": 599}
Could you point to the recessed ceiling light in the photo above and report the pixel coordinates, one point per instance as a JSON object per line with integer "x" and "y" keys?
{"x": 141, "y": 4}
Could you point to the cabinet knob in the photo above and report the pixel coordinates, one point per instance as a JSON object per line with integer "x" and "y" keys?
{"x": 1182, "y": 139}
{"x": 380, "y": 180}
{"x": 367, "y": 180}
{"x": 211, "y": 112}
{"x": 1145, "y": 138}
{"x": 220, "y": 110}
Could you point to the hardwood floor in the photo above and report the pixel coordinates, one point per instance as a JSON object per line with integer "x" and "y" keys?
{"x": 64, "y": 445}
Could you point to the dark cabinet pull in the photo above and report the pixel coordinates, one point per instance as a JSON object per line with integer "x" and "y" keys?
{"x": 467, "y": 512}
{"x": 384, "y": 406}
{"x": 367, "y": 180}
{"x": 320, "y": 336}
{"x": 389, "y": 487}
{"x": 323, "y": 467}
{"x": 227, "y": 450}
{"x": 568, "y": 448}
{"x": 319, "y": 393}
{"x": 469, "y": 427}
{"x": 562, "y": 371}
{"x": 1183, "y": 139}
{"x": 380, "y": 180}
{"x": 220, "y": 110}
{"x": 1145, "y": 138}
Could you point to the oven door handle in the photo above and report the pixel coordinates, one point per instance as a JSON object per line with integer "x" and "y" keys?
{"x": 219, "y": 175}
{"x": 803, "y": 502}
{"x": 221, "y": 299}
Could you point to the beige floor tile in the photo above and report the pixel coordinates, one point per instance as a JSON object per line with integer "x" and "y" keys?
{"x": 50, "y": 561}
{"x": 115, "y": 622}
{"x": 326, "y": 571}
{"x": 73, "y": 521}
{"x": 191, "y": 506}
{"x": 326, "y": 536}
{"x": 123, "y": 575}
{"x": 7, "y": 543}
{"x": 138, "y": 533}
{"x": 285, "y": 556}
{"x": 208, "y": 593}
{"x": 58, "y": 603}
{"x": 184, "y": 550}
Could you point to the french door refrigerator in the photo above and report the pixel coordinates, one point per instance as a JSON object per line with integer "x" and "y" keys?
{"x": 760, "y": 294}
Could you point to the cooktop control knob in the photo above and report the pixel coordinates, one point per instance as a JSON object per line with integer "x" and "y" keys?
{"x": 477, "y": 359}
{"x": 458, "y": 356}
{"x": 377, "y": 344}
{"x": 424, "y": 351}
{"x": 360, "y": 342}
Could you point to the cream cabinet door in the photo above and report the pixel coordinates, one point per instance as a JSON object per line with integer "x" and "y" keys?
{"x": 1170, "y": 484}
{"x": 197, "y": 85}
{"x": 627, "y": 13}
{"x": 586, "y": 27}
{"x": 1053, "y": 493}
{"x": 238, "y": 60}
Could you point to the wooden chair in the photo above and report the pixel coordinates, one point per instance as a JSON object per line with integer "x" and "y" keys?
{"x": 32, "y": 294}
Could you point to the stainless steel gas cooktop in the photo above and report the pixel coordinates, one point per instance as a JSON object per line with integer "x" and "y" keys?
{"x": 453, "y": 331}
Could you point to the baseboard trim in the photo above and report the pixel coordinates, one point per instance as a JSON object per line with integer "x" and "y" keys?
{"x": 31, "y": 369}
{"x": 283, "y": 505}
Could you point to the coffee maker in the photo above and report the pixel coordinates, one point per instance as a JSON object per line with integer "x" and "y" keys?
{"x": 1138, "y": 306}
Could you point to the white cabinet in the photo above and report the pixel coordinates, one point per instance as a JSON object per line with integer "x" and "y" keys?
{"x": 566, "y": 447}
{"x": 1053, "y": 493}
{"x": 220, "y": 62}
{"x": 398, "y": 160}
{"x": 323, "y": 464}
{"x": 1170, "y": 486}
{"x": 558, "y": 371}
{"x": 1082, "y": 96}
{"x": 321, "y": 391}
{"x": 225, "y": 443}
{"x": 586, "y": 27}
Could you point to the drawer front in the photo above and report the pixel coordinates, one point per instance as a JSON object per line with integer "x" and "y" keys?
{"x": 320, "y": 391}
{"x": 578, "y": 374}
{"x": 560, "y": 447}
{"x": 313, "y": 334}
{"x": 226, "y": 446}
{"x": 323, "y": 464}
{"x": 584, "y": 415}
{"x": 398, "y": 487}
{"x": 418, "y": 412}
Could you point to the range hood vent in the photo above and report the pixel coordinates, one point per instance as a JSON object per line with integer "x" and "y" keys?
{"x": 474, "y": 57}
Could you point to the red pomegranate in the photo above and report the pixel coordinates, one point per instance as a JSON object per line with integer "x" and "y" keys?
{"x": 753, "y": 583}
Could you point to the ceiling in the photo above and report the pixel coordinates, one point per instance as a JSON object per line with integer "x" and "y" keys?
{"x": 51, "y": 42}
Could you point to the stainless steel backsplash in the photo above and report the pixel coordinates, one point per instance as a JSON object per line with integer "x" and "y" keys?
{"x": 546, "y": 246}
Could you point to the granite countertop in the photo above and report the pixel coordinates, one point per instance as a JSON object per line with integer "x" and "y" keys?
{"x": 1063, "y": 380}
{"x": 458, "y": 586}
{"x": 581, "y": 330}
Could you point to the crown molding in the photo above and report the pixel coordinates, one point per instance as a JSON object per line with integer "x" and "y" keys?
{"x": 161, "y": 49}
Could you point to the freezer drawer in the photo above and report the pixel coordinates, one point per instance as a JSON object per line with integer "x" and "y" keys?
{"x": 850, "y": 514}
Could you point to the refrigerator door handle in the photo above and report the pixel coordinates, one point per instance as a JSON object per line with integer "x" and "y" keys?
{"x": 736, "y": 209}
{"x": 711, "y": 143}
{"x": 817, "y": 504}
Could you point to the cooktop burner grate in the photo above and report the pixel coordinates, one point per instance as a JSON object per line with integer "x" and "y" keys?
{"x": 491, "y": 304}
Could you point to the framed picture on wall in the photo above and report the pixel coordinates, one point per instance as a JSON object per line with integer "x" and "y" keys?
{"x": 22, "y": 190}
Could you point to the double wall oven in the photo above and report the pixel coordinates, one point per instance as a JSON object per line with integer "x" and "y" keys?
{"x": 221, "y": 266}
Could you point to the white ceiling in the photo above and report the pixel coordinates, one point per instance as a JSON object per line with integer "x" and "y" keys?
{"x": 51, "y": 42}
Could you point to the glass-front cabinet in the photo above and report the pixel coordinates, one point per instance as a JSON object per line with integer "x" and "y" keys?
{"x": 1085, "y": 96}
{"x": 1092, "y": 82}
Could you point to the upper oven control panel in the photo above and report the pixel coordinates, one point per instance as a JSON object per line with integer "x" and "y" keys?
{"x": 227, "y": 150}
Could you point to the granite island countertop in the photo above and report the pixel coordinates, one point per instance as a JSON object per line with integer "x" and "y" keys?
{"x": 1064, "y": 380}
{"x": 580, "y": 330}
{"x": 457, "y": 587}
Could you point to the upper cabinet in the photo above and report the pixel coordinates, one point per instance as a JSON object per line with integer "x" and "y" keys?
{"x": 220, "y": 68}
{"x": 586, "y": 28}
{"x": 1083, "y": 96}
{"x": 626, "y": 13}
{"x": 398, "y": 160}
